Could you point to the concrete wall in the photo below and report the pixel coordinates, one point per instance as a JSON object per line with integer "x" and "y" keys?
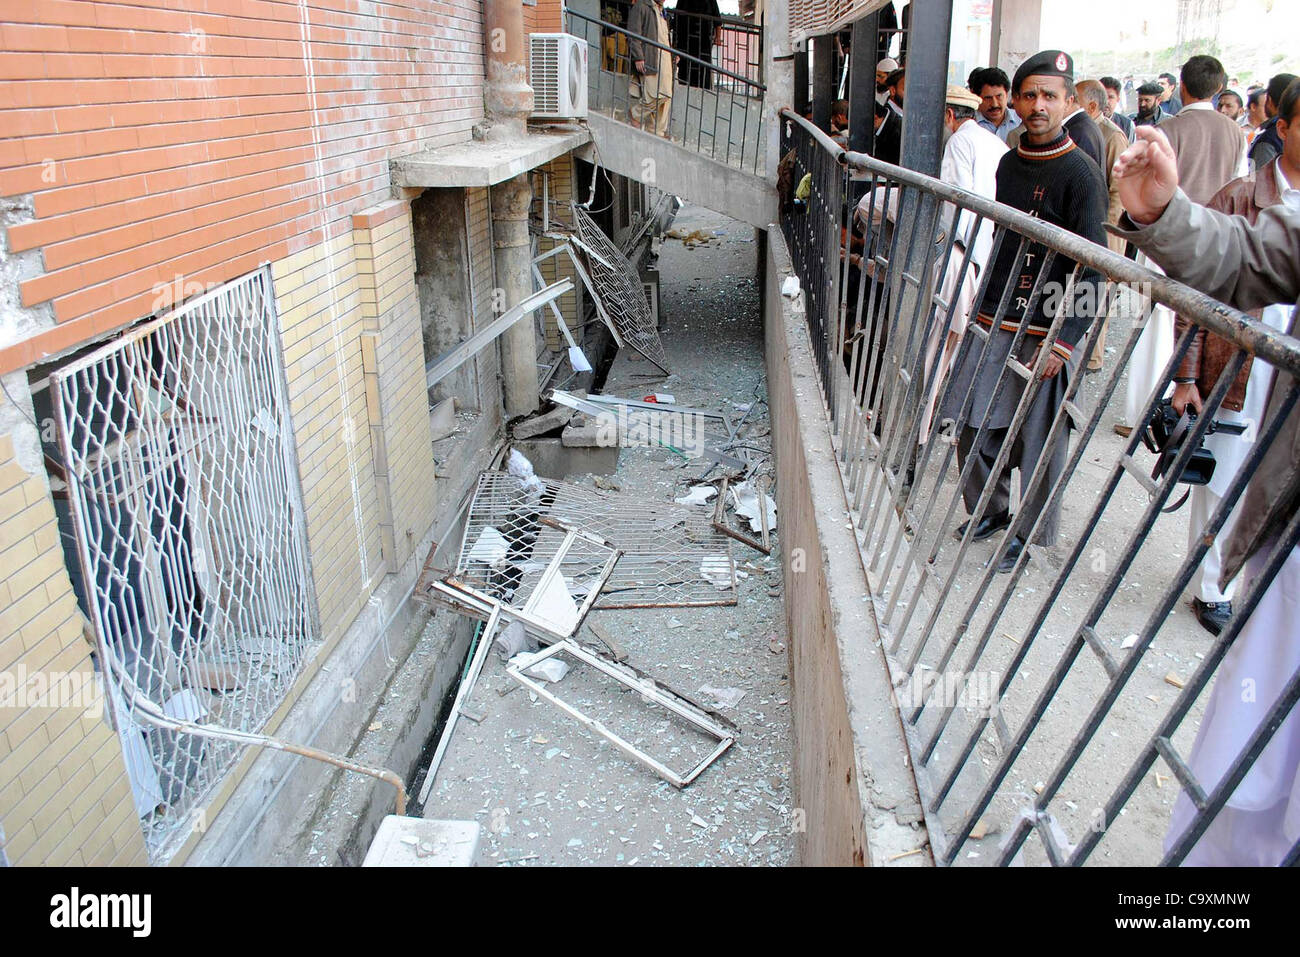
{"x": 445, "y": 280}
{"x": 656, "y": 161}
{"x": 851, "y": 776}
{"x": 1017, "y": 32}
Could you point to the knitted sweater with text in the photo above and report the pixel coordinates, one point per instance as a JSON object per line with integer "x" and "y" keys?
{"x": 1059, "y": 184}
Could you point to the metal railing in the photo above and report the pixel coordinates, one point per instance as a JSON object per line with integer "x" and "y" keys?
{"x": 731, "y": 43}
{"x": 1037, "y": 702}
{"x": 723, "y": 121}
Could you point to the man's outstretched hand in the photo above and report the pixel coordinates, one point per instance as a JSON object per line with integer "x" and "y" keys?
{"x": 1147, "y": 173}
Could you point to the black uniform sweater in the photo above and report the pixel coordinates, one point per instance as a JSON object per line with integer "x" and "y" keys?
{"x": 1059, "y": 184}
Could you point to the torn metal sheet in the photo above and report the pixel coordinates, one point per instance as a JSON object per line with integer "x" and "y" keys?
{"x": 644, "y": 687}
{"x": 663, "y": 545}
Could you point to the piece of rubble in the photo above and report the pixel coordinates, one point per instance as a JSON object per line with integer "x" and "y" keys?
{"x": 442, "y": 419}
{"x": 556, "y": 418}
{"x": 725, "y": 697}
{"x": 698, "y": 495}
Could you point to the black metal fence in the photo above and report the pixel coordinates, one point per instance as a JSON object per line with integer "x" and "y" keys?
{"x": 731, "y": 43}
{"x": 712, "y": 110}
{"x": 1055, "y": 696}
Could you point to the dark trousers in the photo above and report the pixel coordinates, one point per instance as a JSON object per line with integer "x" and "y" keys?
{"x": 1024, "y": 456}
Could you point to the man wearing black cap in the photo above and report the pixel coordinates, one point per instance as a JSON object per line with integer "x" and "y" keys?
{"x": 1050, "y": 178}
{"x": 1149, "y": 112}
{"x": 1080, "y": 127}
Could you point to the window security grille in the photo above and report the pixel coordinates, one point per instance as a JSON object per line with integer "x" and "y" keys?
{"x": 191, "y": 536}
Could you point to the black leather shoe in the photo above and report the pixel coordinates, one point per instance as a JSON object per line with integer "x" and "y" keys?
{"x": 989, "y": 526}
{"x": 1011, "y": 555}
{"x": 1213, "y": 615}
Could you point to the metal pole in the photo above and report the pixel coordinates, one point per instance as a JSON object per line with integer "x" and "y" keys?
{"x": 801, "y": 81}
{"x": 927, "y": 85}
{"x": 862, "y": 84}
{"x": 823, "y": 80}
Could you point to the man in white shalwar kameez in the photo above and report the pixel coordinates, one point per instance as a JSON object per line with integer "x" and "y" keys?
{"x": 1246, "y": 266}
{"x": 1266, "y": 653}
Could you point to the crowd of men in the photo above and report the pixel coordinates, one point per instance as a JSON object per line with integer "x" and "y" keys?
{"x": 1063, "y": 150}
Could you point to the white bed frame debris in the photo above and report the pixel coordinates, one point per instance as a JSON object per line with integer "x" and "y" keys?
{"x": 646, "y": 688}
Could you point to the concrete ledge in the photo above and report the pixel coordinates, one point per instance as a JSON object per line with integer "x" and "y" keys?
{"x": 658, "y": 162}
{"x": 484, "y": 163}
{"x": 852, "y": 774}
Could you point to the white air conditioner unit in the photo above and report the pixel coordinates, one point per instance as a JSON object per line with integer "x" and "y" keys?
{"x": 557, "y": 70}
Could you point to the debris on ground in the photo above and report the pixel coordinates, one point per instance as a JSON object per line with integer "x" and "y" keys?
{"x": 691, "y": 239}
{"x": 558, "y": 774}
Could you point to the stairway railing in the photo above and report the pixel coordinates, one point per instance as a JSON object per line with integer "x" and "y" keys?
{"x": 714, "y": 111}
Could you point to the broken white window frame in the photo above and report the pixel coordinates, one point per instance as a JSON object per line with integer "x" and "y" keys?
{"x": 442, "y": 366}
{"x": 564, "y": 245}
{"x": 646, "y": 688}
{"x": 482, "y": 603}
{"x": 462, "y": 695}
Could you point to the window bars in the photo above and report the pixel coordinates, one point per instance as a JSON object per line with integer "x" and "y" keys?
{"x": 618, "y": 289}
{"x": 189, "y": 526}
{"x": 1036, "y": 696}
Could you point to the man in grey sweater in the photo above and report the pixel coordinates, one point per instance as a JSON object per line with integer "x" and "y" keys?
{"x": 1248, "y": 267}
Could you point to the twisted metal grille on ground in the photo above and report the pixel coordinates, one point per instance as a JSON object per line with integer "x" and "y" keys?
{"x": 619, "y": 285}
{"x": 671, "y": 554}
{"x": 189, "y": 525}
{"x": 1040, "y": 700}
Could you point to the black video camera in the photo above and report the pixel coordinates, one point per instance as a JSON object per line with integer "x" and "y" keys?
{"x": 1164, "y": 435}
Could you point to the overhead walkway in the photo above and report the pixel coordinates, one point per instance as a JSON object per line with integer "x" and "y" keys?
{"x": 714, "y": 152}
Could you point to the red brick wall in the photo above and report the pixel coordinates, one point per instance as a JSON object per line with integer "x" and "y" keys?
{"x": 543, "y": 17}
{"x": 159, "y": 143}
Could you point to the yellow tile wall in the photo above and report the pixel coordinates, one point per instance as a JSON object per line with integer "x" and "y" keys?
{"x": 390, "y": 302}
{"x": 64, "y": 796}
{"x": 321, "y": 306}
